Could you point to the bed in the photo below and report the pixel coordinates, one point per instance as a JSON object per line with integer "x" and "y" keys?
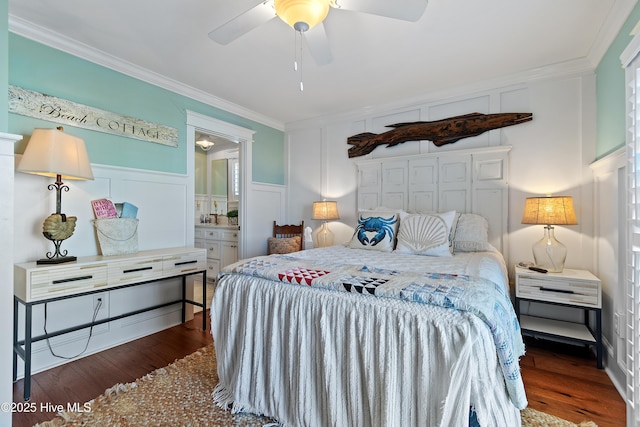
{"x": 403, "y": 326}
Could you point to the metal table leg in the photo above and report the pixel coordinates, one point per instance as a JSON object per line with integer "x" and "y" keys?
{"x": 27, "y": 351}
{"x": 15, "y": 339}
{"x": 599, "y": 337}
{"x": 204, "y": 300}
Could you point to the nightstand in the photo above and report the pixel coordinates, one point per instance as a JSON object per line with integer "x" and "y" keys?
{"x": 571, "y": 288}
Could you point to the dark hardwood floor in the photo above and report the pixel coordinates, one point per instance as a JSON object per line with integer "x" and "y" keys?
{"x": 86, "y": 378}
{"x": 560, "y": 380}
{"x": 563, "y": 380}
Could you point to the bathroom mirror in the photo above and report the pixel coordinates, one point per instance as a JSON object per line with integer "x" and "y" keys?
{"x": 216, "y": 175}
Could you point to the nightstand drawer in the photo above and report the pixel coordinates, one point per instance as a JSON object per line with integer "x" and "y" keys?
{"x": 562, "y": 291}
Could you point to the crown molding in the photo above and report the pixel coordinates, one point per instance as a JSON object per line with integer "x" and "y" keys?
{"x": 55, "y": 40}
{"x": 610, "y": 29}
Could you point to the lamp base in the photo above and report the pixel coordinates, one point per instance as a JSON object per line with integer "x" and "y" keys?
{"x": 549, "y": 253}
{"x": 57, "y": 260}
{"x": 58, "y": 227}
{"x": 325, "y": 236}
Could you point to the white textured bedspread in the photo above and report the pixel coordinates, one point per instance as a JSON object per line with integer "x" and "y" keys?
{"x": 317, "y": 357}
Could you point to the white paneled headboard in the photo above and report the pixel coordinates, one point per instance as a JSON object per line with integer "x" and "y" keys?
{"x": 468, "y": 181}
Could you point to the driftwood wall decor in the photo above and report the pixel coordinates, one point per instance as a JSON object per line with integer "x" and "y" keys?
{"x": 440, "y": 132}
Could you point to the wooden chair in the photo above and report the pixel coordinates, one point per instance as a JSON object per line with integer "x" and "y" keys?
{"x": 280, "y": 231}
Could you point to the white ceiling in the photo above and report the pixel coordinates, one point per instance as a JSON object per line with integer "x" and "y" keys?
{"x": 376, "y": 60}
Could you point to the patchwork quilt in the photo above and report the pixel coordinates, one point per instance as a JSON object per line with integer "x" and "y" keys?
{"x": 478, "y": 296}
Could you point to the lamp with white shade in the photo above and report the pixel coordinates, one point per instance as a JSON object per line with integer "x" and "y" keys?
{"x": 54, "y": 153}
{"x": 325, "y": 211}
{"x": 548, "y": 252}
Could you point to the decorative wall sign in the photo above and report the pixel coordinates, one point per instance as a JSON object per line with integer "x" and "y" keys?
{"x": 440, "y": 132}
{"x": 40, "y": 106}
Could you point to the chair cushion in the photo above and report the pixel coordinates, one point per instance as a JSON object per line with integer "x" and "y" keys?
{"x": 283, "y": 245}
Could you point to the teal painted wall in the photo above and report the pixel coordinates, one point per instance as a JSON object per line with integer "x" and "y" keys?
{"x": 268, "y": 158}
{"x": 4, "y": 59}
{"x": 610, "y": 92}
{"x": 43, "y": 69}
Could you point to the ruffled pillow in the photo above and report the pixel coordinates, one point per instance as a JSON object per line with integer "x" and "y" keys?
{"x": 376, "y": 230}
{"x": 471, "y": 234}
{"x": 425, "y": 234}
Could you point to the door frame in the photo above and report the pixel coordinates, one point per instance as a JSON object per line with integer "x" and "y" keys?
{"x": 244, "y": 137}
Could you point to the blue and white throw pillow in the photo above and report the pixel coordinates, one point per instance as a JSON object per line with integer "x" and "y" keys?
{"x": 376, "y": 230}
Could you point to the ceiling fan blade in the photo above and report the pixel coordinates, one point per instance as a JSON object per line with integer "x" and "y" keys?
{"x": 243, "y": 23}
{"x": 318, "y": 44}
{"x": 407, "y": 10}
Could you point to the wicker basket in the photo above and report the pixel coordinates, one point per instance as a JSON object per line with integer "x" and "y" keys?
{"x": 117, "y": 236}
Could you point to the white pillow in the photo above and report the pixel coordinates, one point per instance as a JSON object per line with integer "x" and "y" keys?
{"x": 376, "y": 230}
{"x": 425, "y": 234}
{"x": 470, "y": 234}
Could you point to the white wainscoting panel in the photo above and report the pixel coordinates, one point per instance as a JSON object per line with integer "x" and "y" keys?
{"x": 267, "y": 204}
{"x": 7, "y": 148}
{"x": 609, "y": 202}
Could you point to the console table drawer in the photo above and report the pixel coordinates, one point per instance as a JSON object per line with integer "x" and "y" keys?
{"x": 184, "y": 263}
{"x": 130, "y": 271}
{"x": 70, "y": 280}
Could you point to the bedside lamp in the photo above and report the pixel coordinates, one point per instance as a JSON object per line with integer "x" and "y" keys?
{"x": 548, "y": 252}
{"x": 53, "y": 153}
{"x": 325, "y": 211}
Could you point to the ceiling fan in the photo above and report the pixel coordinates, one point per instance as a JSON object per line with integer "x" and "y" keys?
{"x": 307, "y": 16}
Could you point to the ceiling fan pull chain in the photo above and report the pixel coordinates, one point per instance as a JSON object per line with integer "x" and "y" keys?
{"x": 295, "y": 50}
{"x": 301, "y": 43}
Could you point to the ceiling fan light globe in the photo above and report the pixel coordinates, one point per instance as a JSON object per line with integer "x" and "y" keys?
{"x": 302, "y": 13}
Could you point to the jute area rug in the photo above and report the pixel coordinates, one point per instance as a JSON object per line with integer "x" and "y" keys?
{"x": 180, "y": 395}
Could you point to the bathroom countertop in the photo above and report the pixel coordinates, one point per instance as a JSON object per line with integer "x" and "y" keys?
{"x": 211, "y": 225}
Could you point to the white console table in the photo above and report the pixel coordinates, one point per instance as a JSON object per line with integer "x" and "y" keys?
{"x": 39, "y": 284}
